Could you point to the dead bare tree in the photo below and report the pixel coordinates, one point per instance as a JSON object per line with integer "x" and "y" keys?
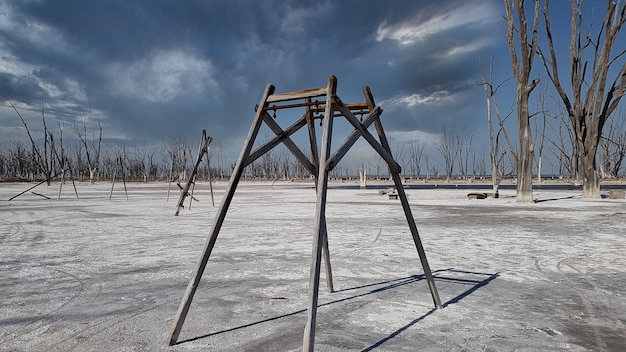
{"x": 43, "y": 160}
{"x": 447, "y": 147}
{"x": 176, "y": 154}
{"x": 522, "y": 62}
{"x": 400, "y": 155}
{"x": 613, "y": 148}
{"x": 91, "y": 147}
{"x": 545, "y": 112}
{"x": 416, "y": 153}
{"x": 592, "y": 99}
{"x": 464, "y": 148}
{"x": 562, "y": 145}
{"x": 18, "y": 160}
{"x": 495, "y": 154}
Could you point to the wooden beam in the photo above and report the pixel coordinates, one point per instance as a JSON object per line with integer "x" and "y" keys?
{"x": 351, "y": 139}
{"x": 327, "y": 265}
{"x": 301, "y": 94}
{"x": 202, "y": 150}
{"x": 308, "y": 341}
{"x": 288, "y": 142}
{"x": 369, "y": 98}
{"x": 315, "y": 157}
{"x": 310, "y": 121}
{"x": 355, "y": 108}
{"x": 386, "y": 155}
{"x": 219, "y": 220}
{"x": 318, "y": 107}
{"x": 407, "y": 208}
{"x": 260, "y": 151}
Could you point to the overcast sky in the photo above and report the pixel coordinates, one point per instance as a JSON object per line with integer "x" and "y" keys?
{"x": 149, "y": 70}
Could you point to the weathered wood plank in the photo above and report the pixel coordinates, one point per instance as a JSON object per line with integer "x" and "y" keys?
{"x": 369, "y": 98}
{"x": 315, "y": 156}
{"x": 269, "y": 145}
{"x": 350, "y": 140}
{"x": 308, "y": 341}
{"x": 301, "y": 94}
{"x": 202, "y": 150}
{"x": 219, "y": 220}
{"x": 386, "y": 155}
{"x": 310, "y": 121}
{"x": 409, "y": 217}
{"x": 293, "y": 148}
{"x": 353, "y": 107}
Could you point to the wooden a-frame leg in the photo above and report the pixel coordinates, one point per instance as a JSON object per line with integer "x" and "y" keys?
{"x": 327, "y": 266}
{"x": 219, "y": 219}
{"x": 410, "y": 220}
{"x": 308, "y": 341}
{"x": 315, "y": 160}
{"x": 405, "y": 203}
{"x": 416, "y": 238}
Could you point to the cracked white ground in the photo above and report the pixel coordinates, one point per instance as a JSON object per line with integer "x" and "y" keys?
{"x": 91, "y": 274}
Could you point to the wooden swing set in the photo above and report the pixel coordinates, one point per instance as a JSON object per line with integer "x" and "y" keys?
{"x": 319, "y": 165}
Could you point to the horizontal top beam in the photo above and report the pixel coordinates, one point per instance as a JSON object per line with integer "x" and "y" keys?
{"x": 301, "y": 94}
{"x": 317, "y": 107}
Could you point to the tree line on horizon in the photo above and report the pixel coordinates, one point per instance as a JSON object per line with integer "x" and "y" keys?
{"x": 564, "y": 121}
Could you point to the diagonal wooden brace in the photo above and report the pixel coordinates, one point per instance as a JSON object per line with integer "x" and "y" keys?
{"x": 288, "y": 142}
{"x": 269, "y": 145}
{"x": 351, "y": 139}
{"x": 393, "y": 165}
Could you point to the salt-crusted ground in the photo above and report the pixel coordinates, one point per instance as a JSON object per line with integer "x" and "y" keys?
{"x": 94, "y": 274}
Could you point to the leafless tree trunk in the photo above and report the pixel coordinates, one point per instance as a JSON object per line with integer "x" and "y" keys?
{"x": 495, "y": 156}
{"x": 521, "y": 62}
{"x": 42, "y": 160}
{"x": 447, "y": 147}
{"x": 432, "y": 169}
{"x": 379, "y": 165}
{"x": 613, "y": 148}
{"x": 416, "y": 153}
{"x": 399, "y": 155}
{"x": 592, "y": 99}
{"x": 540, "y": 128}
{"x": 91, "y": 148}
{"x": 464, "y": 147}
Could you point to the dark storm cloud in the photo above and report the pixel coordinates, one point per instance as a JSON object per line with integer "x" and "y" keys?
{"x": 150, "y": 69}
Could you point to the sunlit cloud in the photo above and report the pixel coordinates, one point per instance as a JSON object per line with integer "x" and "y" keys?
{"x": 436, "y": 97}
{"x": 462, "y": 49}
{"x": 426, "y": 23}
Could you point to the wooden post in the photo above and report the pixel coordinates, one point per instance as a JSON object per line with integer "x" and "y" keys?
{"x": 208, "y": 163}
{"x": 308, "y": 342}
{"x": 219, "y": 219}
{"x": 202, "y": 150}
{"x": 315, "y": 161}
{"x": 112, "y": 184}
{"x": 124, "y": 177}
{"x": 395, "y": 175}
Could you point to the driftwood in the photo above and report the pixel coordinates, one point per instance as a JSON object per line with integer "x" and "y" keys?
{"x": 477, "y": 195}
